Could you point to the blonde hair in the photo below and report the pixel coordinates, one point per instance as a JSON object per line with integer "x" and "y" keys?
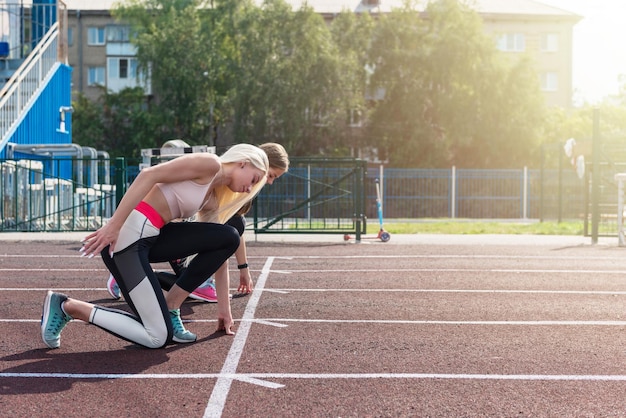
{"x": 273, "y": 155}
{"x": 229, "y": 202}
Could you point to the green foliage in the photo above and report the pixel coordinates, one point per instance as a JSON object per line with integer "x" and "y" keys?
{"x": 291, "y": 79}
{"x": 87, "y": 125}
{"x": 118, "y": 123}
{"x": 449, "y": 97}
{"x": 176, "y": 43}
{"x": 225, "y": 71}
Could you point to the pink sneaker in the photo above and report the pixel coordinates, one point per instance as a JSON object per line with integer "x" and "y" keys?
{"x": 206, "y": 292}
{"x": 113, "y": 288}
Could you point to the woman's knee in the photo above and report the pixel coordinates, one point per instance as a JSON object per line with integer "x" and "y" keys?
{"x": 158, "y": 338}
{"x": 231, "y": 239}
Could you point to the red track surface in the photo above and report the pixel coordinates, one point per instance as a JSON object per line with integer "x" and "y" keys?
{"x": 337, "y": 330}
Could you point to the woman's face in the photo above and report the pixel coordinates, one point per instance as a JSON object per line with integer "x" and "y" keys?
{"x": 273, "y": 174}
{"x": 244, "y": 177}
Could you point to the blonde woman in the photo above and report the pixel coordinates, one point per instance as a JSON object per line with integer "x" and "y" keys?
{"x": 176, "y": 189}
{"x": 279, "y": 165}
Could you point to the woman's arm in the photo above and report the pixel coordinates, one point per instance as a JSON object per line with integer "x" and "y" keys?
{"x": 224, "y": 314}
{"x": 201, "y": 167}
{"x": 246, "y": 285}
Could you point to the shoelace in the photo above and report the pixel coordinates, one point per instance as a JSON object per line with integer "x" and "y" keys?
{"x": 56, "y": 323}
{"x": 177, "y": 323}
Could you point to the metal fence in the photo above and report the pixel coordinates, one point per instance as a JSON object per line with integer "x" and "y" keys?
{"x": 315, "y": 196}
{"x": 477, "y": 194}
{"x": 46, "y": 195}
{"x": 328, "y": 197}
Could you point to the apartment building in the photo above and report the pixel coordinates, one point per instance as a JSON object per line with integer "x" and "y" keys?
{"x": 100, "y": 52}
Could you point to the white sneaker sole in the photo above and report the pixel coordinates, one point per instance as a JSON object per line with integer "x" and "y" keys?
{"x": 178, "y": 340}
{"x": 192, "y": 296}
{"x": 44, "y": 319}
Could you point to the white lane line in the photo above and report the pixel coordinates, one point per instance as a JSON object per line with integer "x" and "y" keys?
{"x": 221, "y": 389}
{"x": 278, "y": 322}
{"x": 61, "y": 289}
{"x": 260, "y": 378}
{"x": 374, "y": 256}
{"x": 455, "y": 256}
{"x": 456, "y": 270}
{"x": 437, "y": 322}
{"x": 369, "y": 270}
{"x": 368, "y": 290}
{"x": 531, "y": 291}
{"x": 48, "y": 269}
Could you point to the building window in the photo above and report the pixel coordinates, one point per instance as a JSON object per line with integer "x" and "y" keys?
{"x": 116, "y": 33}
{"x": 511, "y": 42}
{"x": 549, "y": 81}
{"x": 95, "y": 76}
{"x": 354, "y": 118}
{"x": 123, "y": 73}
{"x": 122, "y": 68}
{"x": 95, "y": 36}
{"x": 549, "y": 42}
{"x": 70, "y": 36}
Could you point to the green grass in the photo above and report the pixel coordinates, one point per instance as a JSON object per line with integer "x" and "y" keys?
{"x": 464, "y": 226}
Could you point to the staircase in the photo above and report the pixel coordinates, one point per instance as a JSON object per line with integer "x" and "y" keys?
{"x": 37, "y": 94}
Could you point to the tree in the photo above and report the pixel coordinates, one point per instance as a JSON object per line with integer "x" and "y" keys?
{"x": 87, "y": 124}
{"x": 119, "y": 123}
{"x": 176, "y": 46}
{"x": 352, "y": 34}
{"x": 291, "y": 79}
{"x": 449, "y": 97}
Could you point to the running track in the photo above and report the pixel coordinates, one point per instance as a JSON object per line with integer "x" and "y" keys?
{"x": 433, "y": 326}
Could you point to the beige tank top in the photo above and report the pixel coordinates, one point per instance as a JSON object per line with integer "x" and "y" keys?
{"x": 184, "y": 198}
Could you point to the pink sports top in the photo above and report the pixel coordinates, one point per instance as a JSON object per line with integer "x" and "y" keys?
{"x": 184, "y": 198}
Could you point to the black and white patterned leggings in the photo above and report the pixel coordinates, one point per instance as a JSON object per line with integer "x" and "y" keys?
{"x": 140, "y": 243}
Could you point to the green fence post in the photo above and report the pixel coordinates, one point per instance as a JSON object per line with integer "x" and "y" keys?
{"x": 359, "y": 210}
{"x": 120, "y": 179}
{"x": 595, "y": 177}
{"x": 561, "y": 156}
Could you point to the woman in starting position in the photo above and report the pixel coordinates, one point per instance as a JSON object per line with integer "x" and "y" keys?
{"x": 176, "y": 189}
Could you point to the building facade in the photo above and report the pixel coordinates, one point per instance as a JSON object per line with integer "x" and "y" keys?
{"x": 99, "y": 50}
{"x": 101, "y": 54}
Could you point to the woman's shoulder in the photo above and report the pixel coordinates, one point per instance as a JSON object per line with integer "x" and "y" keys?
{"x": 208, "y": 160}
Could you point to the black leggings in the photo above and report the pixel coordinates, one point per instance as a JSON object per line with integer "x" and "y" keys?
{"x": 167, "y": 279}
{"x": 151, "y": 325}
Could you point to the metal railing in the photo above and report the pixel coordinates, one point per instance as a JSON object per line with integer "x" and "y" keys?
{"x": 43, "y": 195}
{"x": 18, "y": 92}
{"x": 320, "y": 196}
{"x": 315, "y": 196}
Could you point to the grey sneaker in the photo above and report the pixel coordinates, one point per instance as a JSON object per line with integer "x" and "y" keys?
{"x": 53, "y": 319}
{"x": 181, "y": 335}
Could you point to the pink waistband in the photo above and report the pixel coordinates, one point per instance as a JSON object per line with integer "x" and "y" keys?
{"x": 150, "y": 213}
